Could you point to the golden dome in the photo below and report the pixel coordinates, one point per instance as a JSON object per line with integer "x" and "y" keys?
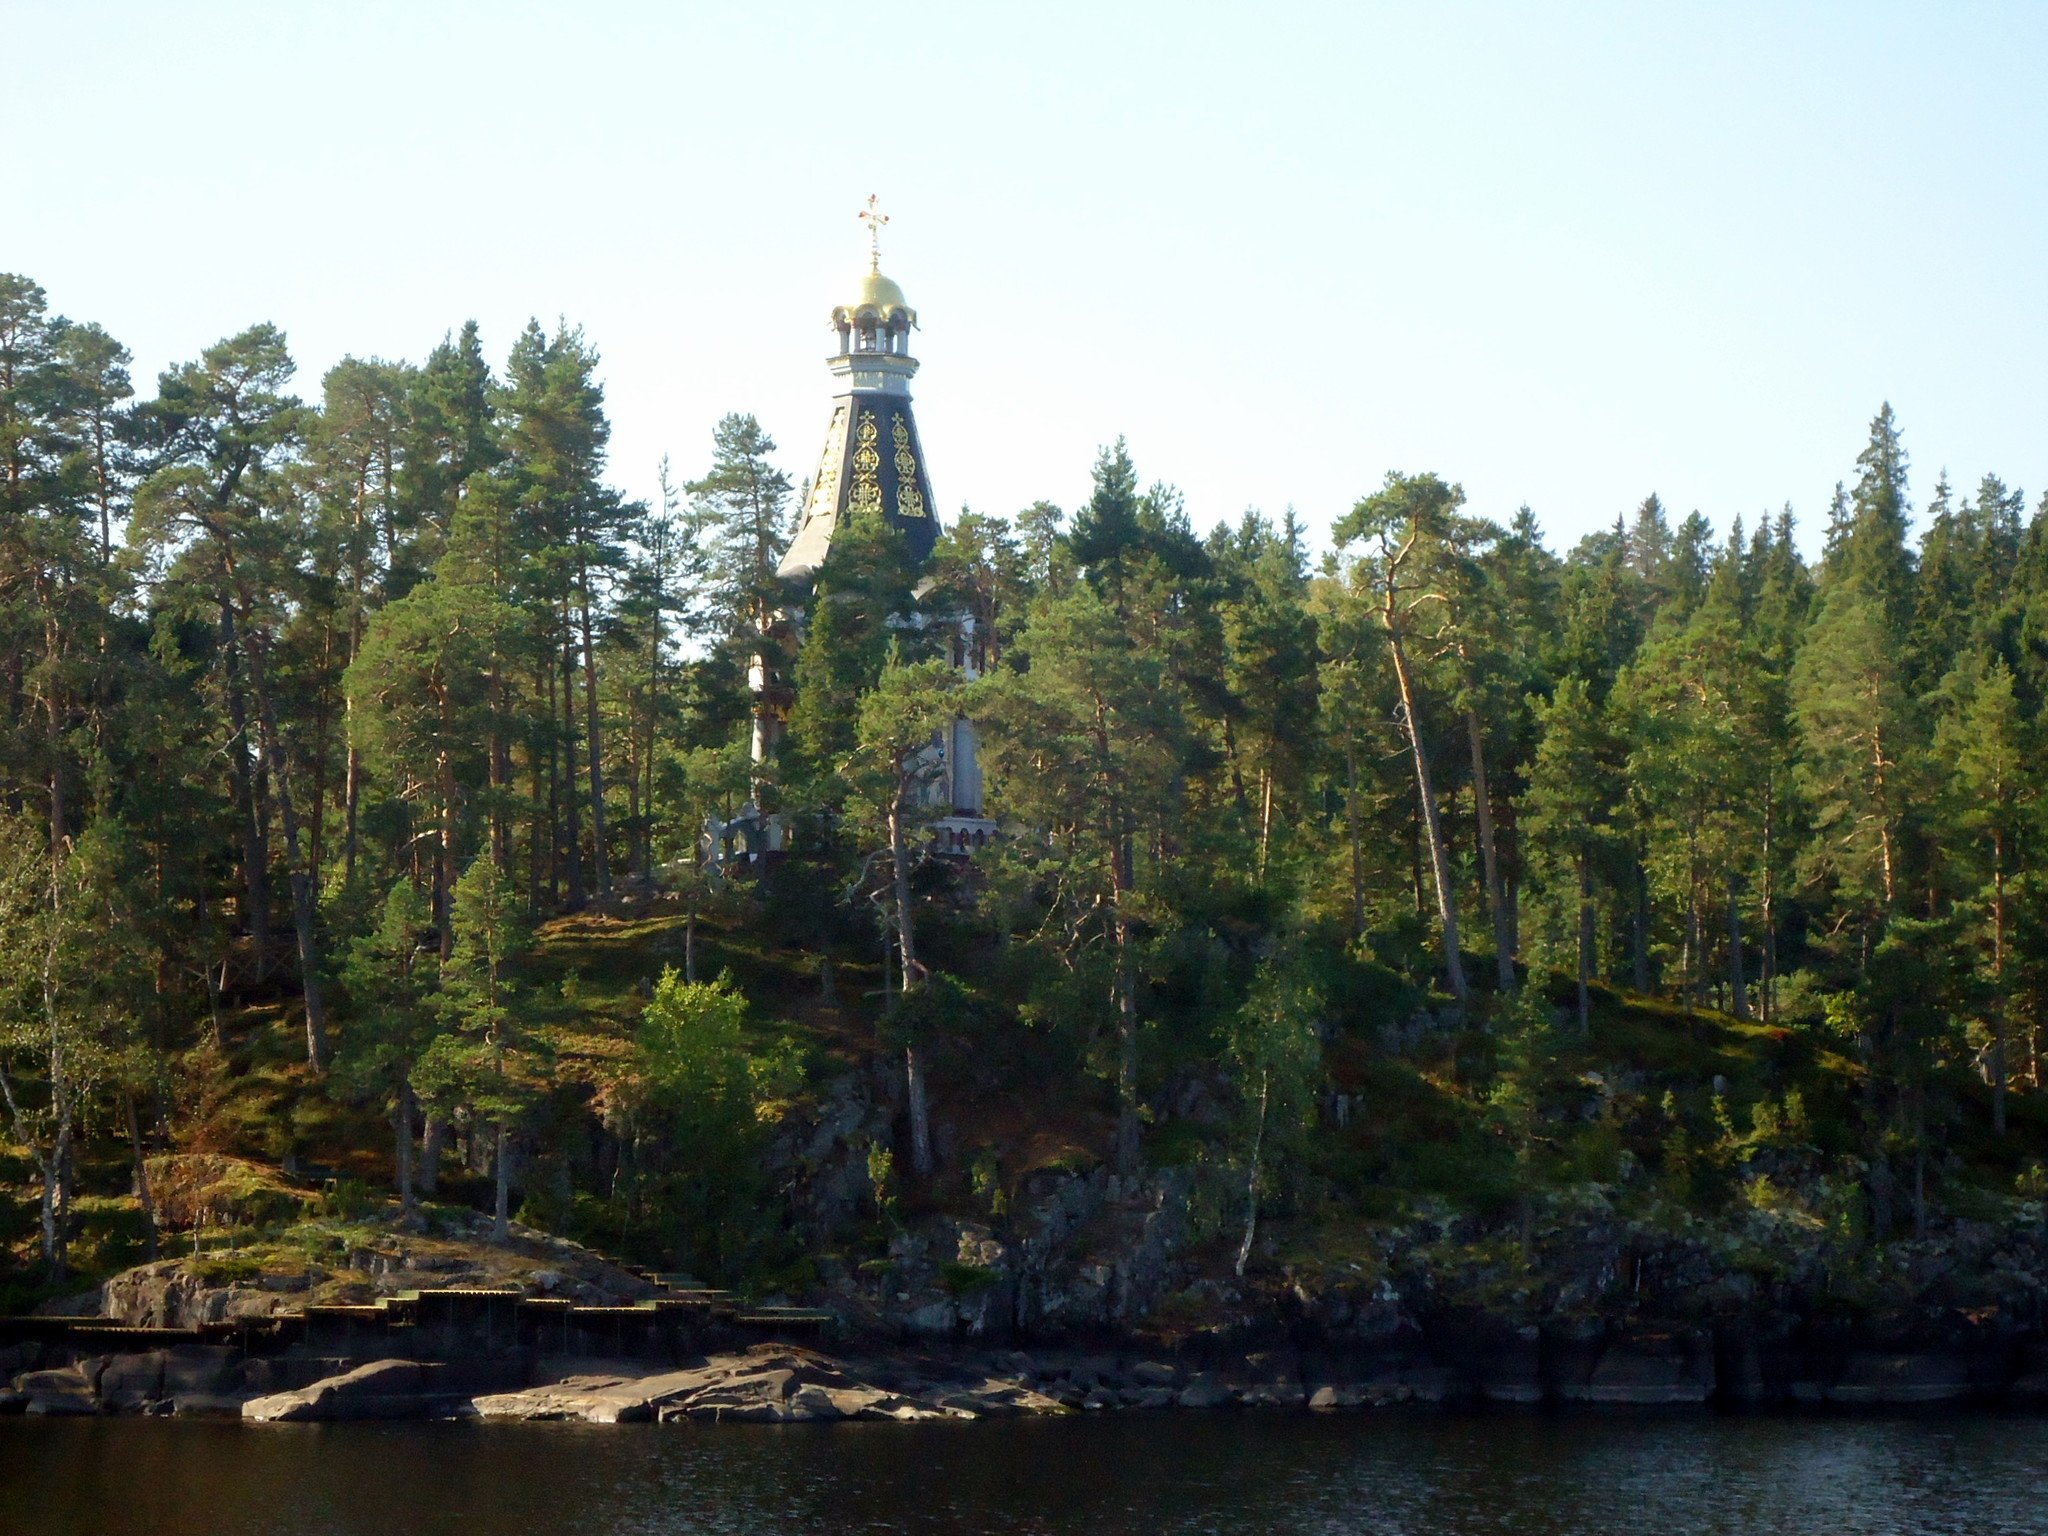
{"x": 881, "y": 295}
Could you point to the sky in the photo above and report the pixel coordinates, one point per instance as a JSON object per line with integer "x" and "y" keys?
{"x": 1564, "y": 254}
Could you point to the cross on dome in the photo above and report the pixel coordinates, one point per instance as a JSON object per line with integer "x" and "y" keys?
{"x": 874, "y": 218}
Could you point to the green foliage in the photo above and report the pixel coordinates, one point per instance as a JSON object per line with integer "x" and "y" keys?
{"x": 303, "y": 693}
{"x": 882, "y": 1180}
{"x": 965, "y": 1279}
{"x": 712, "y": 1091}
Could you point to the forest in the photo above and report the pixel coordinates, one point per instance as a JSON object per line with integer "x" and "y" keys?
{"x": 356, "y": 747}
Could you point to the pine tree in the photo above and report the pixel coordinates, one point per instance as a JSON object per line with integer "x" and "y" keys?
{"x": 223, "y": 430}
{"x": 894, "y": 760}
{"x": 1994, "y": 792}
{"x": 390, "y": 977}
{"x": 1413, "y": 530}
{"x": 743, "y": 501}
{"x": 1088, "y": 744}
{"x": 1572, "y": 813}
{"x": 485, "y": 1060}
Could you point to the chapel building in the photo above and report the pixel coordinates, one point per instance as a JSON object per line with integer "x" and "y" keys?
{"x": 873, "y": 464}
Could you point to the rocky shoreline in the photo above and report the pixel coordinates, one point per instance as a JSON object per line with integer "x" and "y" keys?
{"x": 786, "y": 1383}
{"x": 1089, "y": 1299}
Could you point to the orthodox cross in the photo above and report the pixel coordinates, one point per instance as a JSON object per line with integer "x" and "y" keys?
{"x": 874, "y": 218}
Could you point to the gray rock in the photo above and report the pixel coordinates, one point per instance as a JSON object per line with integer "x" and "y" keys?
{"x": 383, "y": 1389}
{"x": 198, "y": 1368}
{"x": 1272, "y": 1394}
{"x": 64, "y": 1392}
{"x": 1205, "y": 1391}
{"x": 61, "y": 1405}
{"x": 1673, "y": 1370}
{"x": 125, "y": 1383}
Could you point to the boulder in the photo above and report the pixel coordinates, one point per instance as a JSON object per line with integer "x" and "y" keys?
{"x": 1674, "y": 1369}
{"x": 383, "y": 1389}
{"x": 1272, "y": 1394}
{"x": 1207, "y": 1390}
{"x": 67, "y": 1391}
{"x": 128, "y": 1383}
{"x": 61, "y": 1405}
{"x": 200, "y": 1368}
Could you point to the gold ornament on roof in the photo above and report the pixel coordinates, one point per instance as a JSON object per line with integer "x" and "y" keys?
{"x": 867, "y": 464}
{"x": 825, "y": 489}
{"x": 909, "y": 500}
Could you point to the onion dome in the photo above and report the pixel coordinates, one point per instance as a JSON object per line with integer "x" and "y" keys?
{"x": 879, "y": 302}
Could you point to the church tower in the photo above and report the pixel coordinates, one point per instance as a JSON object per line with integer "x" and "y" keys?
{"x": 872, "y": 463}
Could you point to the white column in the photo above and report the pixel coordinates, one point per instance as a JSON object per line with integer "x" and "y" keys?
{"x": 966, "y": 769}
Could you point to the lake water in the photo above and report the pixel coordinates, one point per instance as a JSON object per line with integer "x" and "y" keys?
{"x": 1389, "y": 1474}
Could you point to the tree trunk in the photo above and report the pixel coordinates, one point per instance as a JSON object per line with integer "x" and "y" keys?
{"x": 316, "y": 812}
{"x": 1738, "y": 989}
{"x": 142, "y": 1192}
{"x": 920, "y": 1110}
{"x": 1768, "y": 983}
{"x": 1999, "y": 1071}
{"x": 600, "y": 860}
{"x": 303, "y": 896}
{"x": 1641, "y": 933}
{"x": 1920, "y": 1165}
{"x": 215, "y": 981}
{"x": 401, "y": 1123}
{"x": 1496, "y": 901}
{"x": 536, "y": 865}
{"x": 913, "y": 973}
{"x": 1439, "y": 856}
{"x": 1585, "y": 945}
{"x": 690, "y": 942}
{"x": 1884, "y": 824}
{"x": 47, "y": 1171}
{"x": 433, "y": 1137}
{"x": 501, "y": 1212}
{"x": 572, "y": 849}
{"x": 351, "y": 794}
{"x": 53, "y": 708}
{"x": 444, "y": 859}
{"x": 1880, "y": 1195}
{"x": 1127, "y": 1147}
{"x": 1265, "y": 818}
{"x": 1251, "y": 1190}
{"x": 57, "y": 1170}
{"x": 255, "y": 856}
{"x": 1351, "y": 820}
{"x": 500, "y": 771}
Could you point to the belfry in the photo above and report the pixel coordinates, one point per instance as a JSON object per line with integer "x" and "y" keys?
{"x": 873, "y": 463}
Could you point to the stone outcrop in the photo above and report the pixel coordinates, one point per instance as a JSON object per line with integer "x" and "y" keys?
{"x": 383, "y": 1389}
{"x": 771, "y": 1385}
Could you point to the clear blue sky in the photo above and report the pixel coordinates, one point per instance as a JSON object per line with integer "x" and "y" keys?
{"x": 1566, "y": 254}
